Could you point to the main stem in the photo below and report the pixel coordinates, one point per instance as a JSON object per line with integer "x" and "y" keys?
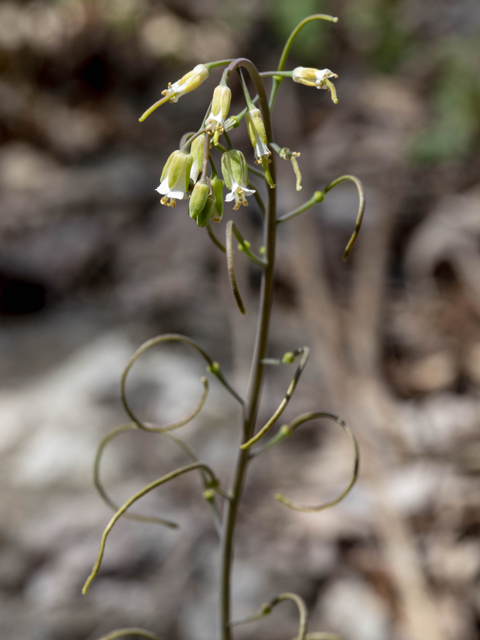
{"x": 257, "y": 371}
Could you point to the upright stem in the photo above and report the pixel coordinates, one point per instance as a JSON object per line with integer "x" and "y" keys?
{"x": 257, "y": 371}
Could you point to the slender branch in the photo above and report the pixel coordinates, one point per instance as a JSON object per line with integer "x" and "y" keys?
{"x": 137, "y": 496}
{"x": 231, "y": 269}
{"x": 318, "y": 197}
{"x": 258, "y": 197}
{"x": 233, "y": 121}
{"x": 361, "y": 208}
{"x": 214, "y": 239}
{"x": 213, "y": 367}
{"x": 255, "y": 171}
{"x": 217, "y": 63}
{"x": 306, "y": 417}
{"x": 286, "y": 50}
{"x": 133, "y": 631}
{"x": 244, "y": 245}
{"x": 266, "y": 609}
{"x": 278, "y": 74}
{"x": 151, "y": 519}
{"x": 284, "y": 402}
{"x": 101, "y": 489}
{"x": 315, "y": 199}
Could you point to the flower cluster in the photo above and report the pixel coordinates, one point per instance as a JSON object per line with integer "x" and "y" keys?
{"x": 186, "y": 169}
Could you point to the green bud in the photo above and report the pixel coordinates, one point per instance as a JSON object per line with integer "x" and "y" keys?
{"x": 207, "y": 212}
{"x": 222, "y": 97}
{"x": 175, "y": 178}
{"x": 217, "y": 186}
{"x": 234, "y": 168}
{"x": 288, "y": 357}
{"x": 285, "y": 430}
{"x": 198, "y": 199}
{"x": 209, "y": 494}
{"x": 179, "y": 167}
{"x": 257, "y": 134}
{"x": 196, "y": 150}
{"x": 235, "y": 174}
{"x": 167, "y": 165}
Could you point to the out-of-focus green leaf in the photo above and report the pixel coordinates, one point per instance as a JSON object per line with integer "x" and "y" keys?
{"x": 286, "y": 14}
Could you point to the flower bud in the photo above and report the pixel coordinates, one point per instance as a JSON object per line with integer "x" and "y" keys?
{"x": 175, "y": 177}
{"x": 197, "y": 152}
{"x": 316, "y": 78}
{"x": 189, "y": 82}
{"x": 219, "y": 111}
{"x": 235, "y": 174}
{"x": 217, "y": 186}
{"x": 257, "y": 134}
{"x": 207, "y": 212}
{"x": 199, "y": 196}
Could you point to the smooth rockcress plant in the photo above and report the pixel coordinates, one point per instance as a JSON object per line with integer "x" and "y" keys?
{"x": 190, "y": 173}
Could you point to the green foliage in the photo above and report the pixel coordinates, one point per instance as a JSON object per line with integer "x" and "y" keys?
{"x": 284, "y": 13}
{"x": 456, "y": 103}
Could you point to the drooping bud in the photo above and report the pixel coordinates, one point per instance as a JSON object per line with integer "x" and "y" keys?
{"x": 235, "y": 174}
{"x": 197, "y": 152}
{"x": 199, "y": 196}
{"x": 215, "y": 124}
{"x": 207, "y": 212}
{"x": 175, "y": 178}
{"x": 257, "y": 134}
{"x": 316, "y": 78}
{"x": 187, "y": 83}
{"x": 217, "y": 186}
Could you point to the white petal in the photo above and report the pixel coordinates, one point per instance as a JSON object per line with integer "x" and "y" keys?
{"x": 261, "y": 148}
{"x": 163, "y": 188}
{"x": 321, "y": 75}
{"x": 194, "y": 171}
{"x": 179, "y": 195}
{"x": 248, "y": 192}
{"x": 218, "y": 118}
{"x": 230, "y": 196}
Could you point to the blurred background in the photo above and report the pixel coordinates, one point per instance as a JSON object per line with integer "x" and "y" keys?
{"x": 91, "y": 265}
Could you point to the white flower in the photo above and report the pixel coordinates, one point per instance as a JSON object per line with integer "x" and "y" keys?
{"x": 238, "y": 193}
{"x": 235, "y": 174}
{"x": 257, "y": 135}
{"x": 215, "y": 123}
{"x": 187, "y": 83}
{"x": 316, "y": 78}
{"x": 175, "y": 178}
